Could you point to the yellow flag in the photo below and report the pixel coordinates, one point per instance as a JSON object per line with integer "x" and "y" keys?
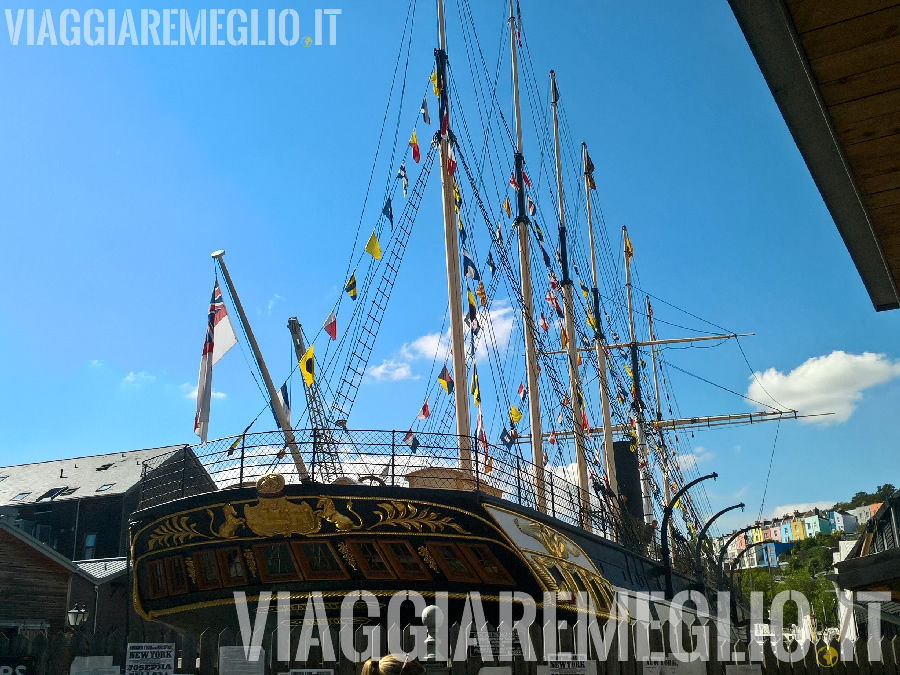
{"x": 434, "y": 84}
{"x": 563, "y": 338}
{"x": 372, "y": 247}
{"x": 628, "y": 250}
{"x": 490, "y": 465}
{"x": 590, "y": 321}
{"x": 507, "y": 209}
{"x": 307, "y": 367}
{"x": 514, "y": 415}
{"x": 628, "y": 370}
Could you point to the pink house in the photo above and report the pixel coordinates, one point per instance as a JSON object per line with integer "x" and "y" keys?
{"x": 873, "y": 508}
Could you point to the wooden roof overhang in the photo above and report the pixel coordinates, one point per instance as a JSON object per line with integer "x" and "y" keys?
{"x": 834, "y": 70}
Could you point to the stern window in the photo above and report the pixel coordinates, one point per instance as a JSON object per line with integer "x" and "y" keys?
{"x": 233, "y": 566}
{"x": 404, "y": 560}
{"x": 277, "y": 563}
{"x": 318, "y": 561}
{"x": 370, "y": 560}
{"x": 488, "y": 567}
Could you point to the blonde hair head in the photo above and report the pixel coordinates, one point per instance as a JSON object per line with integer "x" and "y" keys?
{"x": 391, "y": 664}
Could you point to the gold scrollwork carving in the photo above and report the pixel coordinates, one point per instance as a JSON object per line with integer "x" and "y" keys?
{"x": 347, "y": 555}
{"x": 428, "y": 558}
{"x": 408, "y": 516}
{"x": 189, "y": 566}
{"x": 251, "y": 561}
{"x": 552, "y": 541}
{"x": 176, "y": 530}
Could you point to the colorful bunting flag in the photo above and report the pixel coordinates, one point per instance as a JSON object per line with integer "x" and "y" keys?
{"x": 552, "y": 441}
{"x": 547, "y": 261}
{"x": 330, "y": 326}
{"x": 424, "y": 413}
{"x": 285, "y": 401}
{"x": 550, "y": 297}
{"x": 475, "y": 389}
{"x": 563, "y": 338}
{"x": 525, "y": 179}
{"x": 404, "y": 179}
{"x": 544, "y": 325}
{"x": 506, "y": 207}
{"x": 481, "y": 293}
{"x": 629, "y": 251}
{"x": 388, "y": 212}
{"x": 489, "y": 465}
{"x": 490, "y": 263}
{"x": 554, "y": 282}
{"x": 480, "y": 436}
{"x": 498, "y": 233}
{"x": 351, "y": 286}
{"x": 589, "y": 171}
{"x": 469, "y": 269}
{"x": 411, "y": 440}
{"x": 532, "y": 209}
{"x": 514, "y": 415}
{"x": 414, "y": 144}
{"x": 434, "y": 83}
{"x": 451, "y": 161}
{"x": 522, "y": 391}
{"x": 307, "y": 367}
{"x": 585, "y": 427}
{"x": 372, "y": 247}
{"x": 239, "y": 441}
{"x": 472, "y": 315}
{"x": 539, "y": 233}
{"x": 508, "y": 438}
{"x": 559, "y": 417}
{"x": 445, "y": 380}
{"x": 513, "y": 182}
{"x": 424, "y": 110}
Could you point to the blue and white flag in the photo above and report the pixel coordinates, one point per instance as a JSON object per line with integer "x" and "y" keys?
{"x": 285, "y": 402}
{"x": 469, "y": 269}
{"x": 388, "y": 212}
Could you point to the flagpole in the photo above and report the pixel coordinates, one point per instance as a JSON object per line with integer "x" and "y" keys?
{"x": 283, "y": 422}
{"x": 643, "y": 461}
{"x": 584, "y": 494}
{"x": 609, "y": 461}
{"x": 451, "y": 248}
{"x": 521, "y": 223}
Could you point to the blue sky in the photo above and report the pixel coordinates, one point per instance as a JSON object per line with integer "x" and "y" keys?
{"x": 124, "y": 167}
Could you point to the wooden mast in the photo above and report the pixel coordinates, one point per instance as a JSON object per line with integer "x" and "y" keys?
{"x": 609, "y": 460}
{"x": 661, "y": 439}
{"x": 283, "y": 421}
{"x": 521, "y": 224}
{"x": 643, "y": 460}
{"x": 451, "y": 249}
{"x": 584, "y": 494}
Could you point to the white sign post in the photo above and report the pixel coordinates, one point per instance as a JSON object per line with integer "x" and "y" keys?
{"x": 150, "y": 658}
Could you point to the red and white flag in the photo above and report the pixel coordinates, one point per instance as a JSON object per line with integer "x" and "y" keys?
{"x": 331, "y": 326}
{"x": 551, "y": 441}
{"x": 525, "y": 179}
{"x": 480, "y": 436}
{"x": 544, "y": 325}
{"x": 424, "y": 413}
{"x": 451, "y": 161}
{"x": 219, "y": 339}
{"x": 585, "y": 427}
{"x": 513, "y": 182}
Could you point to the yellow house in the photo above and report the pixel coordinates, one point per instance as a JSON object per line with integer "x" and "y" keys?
{"x": 757, "y": 534}
{"x": 798, "y": 529}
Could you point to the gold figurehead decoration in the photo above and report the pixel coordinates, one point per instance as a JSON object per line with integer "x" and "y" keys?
{"x": 274, "y": 515}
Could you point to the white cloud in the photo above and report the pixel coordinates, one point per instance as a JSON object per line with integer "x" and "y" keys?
{"x": 274, "y": 301}
{"x": 802, "y": 507}
{"x": 391, "y": 371}
{"x": 95, "y": 363}
{"x": 689, "y": 460}
{"x": 190, "y": 392}
{"x": 825, "y": 384}
{"x": 138, "y": 379}
{"x": 429, "y": 346}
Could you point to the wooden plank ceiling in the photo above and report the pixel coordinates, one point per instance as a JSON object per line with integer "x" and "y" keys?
{"x": 853, "y": 50}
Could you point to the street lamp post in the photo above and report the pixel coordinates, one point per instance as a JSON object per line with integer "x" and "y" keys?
{"x": 700, "y": 537}
{"x": 667, "y": 515}
{"x": 75, "y": 617}
{"x": 721, "y": 580}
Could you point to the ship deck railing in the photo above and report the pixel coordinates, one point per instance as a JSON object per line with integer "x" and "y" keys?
{"x": 383, "y": 457}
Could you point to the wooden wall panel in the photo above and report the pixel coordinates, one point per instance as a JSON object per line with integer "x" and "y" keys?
{"x": 31, "y": 585}
{"x": 812, "y": 14}
{"x": 853, "y": 33}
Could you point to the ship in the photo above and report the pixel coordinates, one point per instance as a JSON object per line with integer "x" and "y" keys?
{"x": 532, "y": 497}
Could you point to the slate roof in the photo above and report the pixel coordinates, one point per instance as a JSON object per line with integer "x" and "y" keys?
{"x": 103, "y": 569}
{"x": 119, "y": 470}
